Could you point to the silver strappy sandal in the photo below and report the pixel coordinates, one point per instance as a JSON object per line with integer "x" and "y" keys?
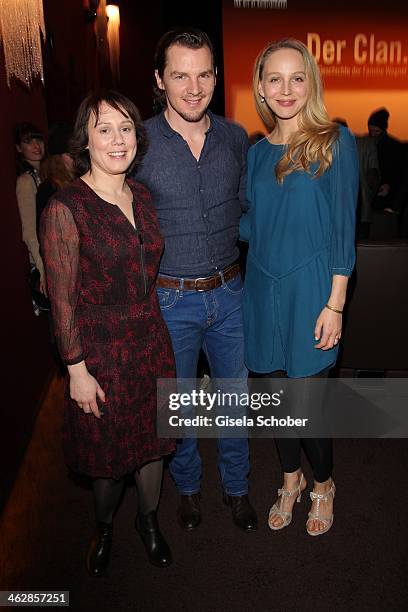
{"x": 316, "y": 516}
{"x": 276, "y": 510}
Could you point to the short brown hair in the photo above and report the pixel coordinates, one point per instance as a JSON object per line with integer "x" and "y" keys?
{"x": 91, "y": 104}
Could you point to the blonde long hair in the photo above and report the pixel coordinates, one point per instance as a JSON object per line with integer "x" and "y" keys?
{"x": 313, "y": 142}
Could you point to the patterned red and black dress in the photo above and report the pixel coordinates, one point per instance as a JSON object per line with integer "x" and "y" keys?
{"x": 101, "y": 273}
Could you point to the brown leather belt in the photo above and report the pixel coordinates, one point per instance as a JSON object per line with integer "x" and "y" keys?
{"x": 199, "y": 284}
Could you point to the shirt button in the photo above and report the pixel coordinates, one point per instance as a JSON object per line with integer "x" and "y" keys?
{"x": 205, "y": 215}
{"x": 201, "y": 190}
{"x": 198, "y": 166}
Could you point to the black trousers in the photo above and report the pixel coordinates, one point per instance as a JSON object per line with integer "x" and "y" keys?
{"x": 319, "y": 451}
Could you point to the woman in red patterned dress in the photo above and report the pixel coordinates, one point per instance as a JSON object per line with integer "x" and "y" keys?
{"x": 102, "y": 245}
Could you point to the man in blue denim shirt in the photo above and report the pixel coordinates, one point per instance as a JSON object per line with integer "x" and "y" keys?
{"x": 195, "y": 168}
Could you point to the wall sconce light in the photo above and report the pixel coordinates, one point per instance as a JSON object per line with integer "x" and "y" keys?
{"x": 106, "y": 20}
{"x": 21, "y": 26}
{"x": 113, "y": 15}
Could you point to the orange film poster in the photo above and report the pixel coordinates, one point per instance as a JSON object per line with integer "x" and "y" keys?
{"x": 361, "y": 48}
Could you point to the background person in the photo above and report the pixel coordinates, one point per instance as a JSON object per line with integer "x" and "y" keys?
{"x": 30, "y": 150}
{"x": 302, "y": 192}
{"x": 390, "y": 158}
{"x": 369, "y": 180}
{"x": 57, "y": 169}
{"x": 102, "y": 247}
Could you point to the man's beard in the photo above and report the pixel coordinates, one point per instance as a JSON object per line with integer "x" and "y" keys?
{"x": 190, "y": 117}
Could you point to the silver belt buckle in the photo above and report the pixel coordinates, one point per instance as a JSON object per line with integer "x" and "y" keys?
{"x": 200, "y": 279}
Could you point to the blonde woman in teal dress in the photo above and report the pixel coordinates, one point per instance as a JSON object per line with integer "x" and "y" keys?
{"x": 300, "y": 226}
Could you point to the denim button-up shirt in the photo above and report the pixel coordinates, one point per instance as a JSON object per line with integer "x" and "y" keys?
{"x": 199, "y": 203}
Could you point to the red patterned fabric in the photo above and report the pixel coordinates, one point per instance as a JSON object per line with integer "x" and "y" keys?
{"x": 101, "y": 274}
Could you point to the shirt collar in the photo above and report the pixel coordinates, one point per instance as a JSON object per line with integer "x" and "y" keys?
{"x": 168, "y": 131}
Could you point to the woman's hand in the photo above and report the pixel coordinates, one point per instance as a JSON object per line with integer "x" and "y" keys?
{"x": 328, "y": 329}
{"x": 43, "y": 285}
{"x": 84, "y": 389}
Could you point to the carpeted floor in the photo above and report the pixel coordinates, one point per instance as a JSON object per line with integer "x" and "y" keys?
{"x": 361, "y": 564}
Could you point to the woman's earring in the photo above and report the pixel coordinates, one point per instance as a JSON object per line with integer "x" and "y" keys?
{"x": 262, "y": 99}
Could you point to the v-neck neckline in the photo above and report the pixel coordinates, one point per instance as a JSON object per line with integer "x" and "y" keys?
{"x": 133, "y": 204}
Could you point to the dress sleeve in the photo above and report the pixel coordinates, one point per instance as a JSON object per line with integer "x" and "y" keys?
{"x": 245, "y": 221}
{"x": 345, "y": 192}
{"x": 60, "y": 248}
{"x": 26, "y": 199}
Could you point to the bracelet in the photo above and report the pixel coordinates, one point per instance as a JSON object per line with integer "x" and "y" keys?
{"x": 333, "y": 309}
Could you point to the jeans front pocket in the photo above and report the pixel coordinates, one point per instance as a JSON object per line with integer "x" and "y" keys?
{"x": 167, "y": 297}
{"x": 234, "y": 285}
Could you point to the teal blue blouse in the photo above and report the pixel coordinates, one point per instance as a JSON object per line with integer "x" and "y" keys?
{"x": 300, "y": 234}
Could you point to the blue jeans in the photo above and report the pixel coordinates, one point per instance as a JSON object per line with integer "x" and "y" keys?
{"x": 211, "y": 320}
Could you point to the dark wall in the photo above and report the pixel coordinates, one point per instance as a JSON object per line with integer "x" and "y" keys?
{"x": 70, "y": 58}
{"x": 139, "y": 30}
{"x": 24, "y": 341}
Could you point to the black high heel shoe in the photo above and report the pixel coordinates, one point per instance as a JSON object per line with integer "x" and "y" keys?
{"x": 98, "y": 556}
{"x": 157, "y": 549}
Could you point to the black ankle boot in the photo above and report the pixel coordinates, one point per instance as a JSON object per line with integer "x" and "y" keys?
{"x": 99, "y": 550}
{"x": 157, "y": 549}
